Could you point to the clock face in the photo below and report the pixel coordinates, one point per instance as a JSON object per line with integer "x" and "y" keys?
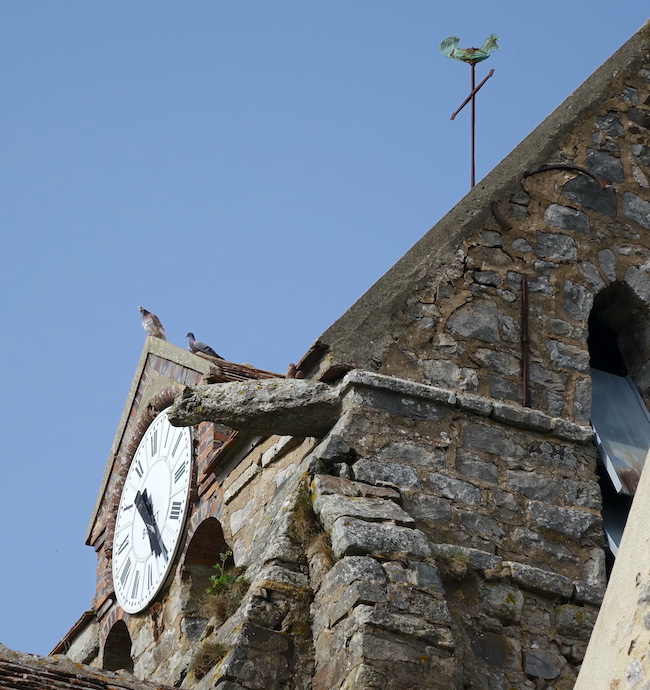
{"x": 151, "y": 514}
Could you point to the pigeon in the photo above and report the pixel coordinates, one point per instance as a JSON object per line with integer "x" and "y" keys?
{"x": 151, "y": 324}
{"x": 197, "y": 346}
{"x": 293, "y": 373}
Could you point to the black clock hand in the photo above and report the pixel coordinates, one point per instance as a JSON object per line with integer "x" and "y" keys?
{"x": 146, "y": 512}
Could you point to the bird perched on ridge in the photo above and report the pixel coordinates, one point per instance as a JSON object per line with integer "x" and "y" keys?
{"x": 293, "y": 373}
{"x": 449, "y": 48}
{"x": 151, "y": 324}
{"x": 197, "y": 346}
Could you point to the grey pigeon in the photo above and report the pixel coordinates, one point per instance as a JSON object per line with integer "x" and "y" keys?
{"x": 151, "y": 324}
{"x": 293, "y": 373}
{"x": 197, "y": 346}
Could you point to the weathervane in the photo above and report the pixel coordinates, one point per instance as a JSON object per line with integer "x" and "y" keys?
{"x": 449, "y": 48}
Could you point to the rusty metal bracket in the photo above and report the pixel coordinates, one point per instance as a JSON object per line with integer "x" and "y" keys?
{"x": 603, "y": 184}
{"x": 525, "y": 343}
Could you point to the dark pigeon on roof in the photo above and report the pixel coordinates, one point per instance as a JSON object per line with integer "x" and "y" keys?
{"x": 197, "y": 347}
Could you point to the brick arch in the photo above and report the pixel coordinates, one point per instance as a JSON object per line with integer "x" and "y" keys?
{"x": 204, "y": 549}
{"x": 117, "y": 648}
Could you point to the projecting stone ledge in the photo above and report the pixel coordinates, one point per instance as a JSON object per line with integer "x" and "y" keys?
{"x": 288, "y": 407}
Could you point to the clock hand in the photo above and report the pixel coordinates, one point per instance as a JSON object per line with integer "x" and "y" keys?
{"x": 143, "y": 505}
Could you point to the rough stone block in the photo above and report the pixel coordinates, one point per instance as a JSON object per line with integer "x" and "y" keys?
{"x": 573, "y": 523}
{"x": 474, "y": 403}
{"x": 482, "y": 525}
{"x": 636, "y": 209}
{"x": 501, "y": 601}
{"x": 403, "y": 624}
{"x": 478, "y": 319}
{"x": 481, "y": 560}
{"x": 607, "y": 263}
{"x": 413, "y": 454}
{"x": 537, "y": 580}
{"x": 611, "y": 123}
{"x": 470, "y": 465}
{"x": 351, "y": 537}
{"x": 385, "y": 473}
{"x": 541, "y": 664}
{"x": 577, "y": 301}
{"x": 584, "y": 494}
{"x": 454, "y": 488}
{"x": 499, "y": 362}
{"x": 490, "y": 439}
{"x": 520, "y": 245}
{"x": 555, "y": 245}
{"x": 522, "y": 417}
{"x": 549, "y": 379}
{"x": 446, "y": 373}
{"x": 575, "y": 621}
{"x": 566, "y": 356}
{"x": 572, "y": 432}
{"x": 424, "y": 507}
{"x": 535, "y": 485}
{"x": 566, "y": 218}
{"x": 587, "y": 193}
{"x": 423, "y": 576}
{"x": 326, "y": 484}
{"x": 604, "y": 165}
{"x": 526, "y": 540}
{"x": 496, "y": 650}
{"x": 588, "y": 594}
{"x": 330, "y": 508}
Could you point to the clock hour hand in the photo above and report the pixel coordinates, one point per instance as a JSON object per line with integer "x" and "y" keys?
{"x": 146, "y": 513}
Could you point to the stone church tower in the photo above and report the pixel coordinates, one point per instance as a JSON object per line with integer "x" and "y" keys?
{"x": 422, "y": 509}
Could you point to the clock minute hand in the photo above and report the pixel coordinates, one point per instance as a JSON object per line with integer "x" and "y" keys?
{"x": 155, "y": 540}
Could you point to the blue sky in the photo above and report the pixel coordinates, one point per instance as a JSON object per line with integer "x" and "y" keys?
{"x": 245, "y": 170}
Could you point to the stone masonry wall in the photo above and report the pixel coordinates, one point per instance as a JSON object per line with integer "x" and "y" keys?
{"x": 469, "y": 551}
{"x": 570, "y": 239}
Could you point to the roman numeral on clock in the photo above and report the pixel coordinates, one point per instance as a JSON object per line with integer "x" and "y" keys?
{"x": 154, "y": 442}
{"x": 176, "y": 510}
{"x": 178, "y": 473}
{"x": 138, "y": 469}
{"x": 136, "y": 580}
{"x": 125, "y": 571}
{"x": 178, "y": 440}
{"x": 149, "y": 576}
{"x": 123, "y": 545}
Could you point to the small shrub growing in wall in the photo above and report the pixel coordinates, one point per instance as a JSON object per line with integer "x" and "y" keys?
{"x": 206, "y": 657}
{"x": 306, "y": 527}
{"x": 226, "y": 590}
{"x": 453, "y": 564}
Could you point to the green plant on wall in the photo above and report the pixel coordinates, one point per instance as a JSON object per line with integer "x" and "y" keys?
{"x": 224, "y": 577}
{"x": 225, "y": 591}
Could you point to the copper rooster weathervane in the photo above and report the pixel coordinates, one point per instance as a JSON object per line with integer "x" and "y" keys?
{"x": 449, "y": 48}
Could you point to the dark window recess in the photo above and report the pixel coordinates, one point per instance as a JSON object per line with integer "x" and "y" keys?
{"x": 622, "y": 428}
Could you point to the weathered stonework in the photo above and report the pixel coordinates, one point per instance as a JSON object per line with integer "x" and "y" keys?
{"x": 427, "y": 514}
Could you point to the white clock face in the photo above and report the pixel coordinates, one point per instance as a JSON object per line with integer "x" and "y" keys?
{"x": 151, "y": 514}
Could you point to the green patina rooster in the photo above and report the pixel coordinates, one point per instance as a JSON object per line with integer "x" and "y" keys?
{"x": 449, "y": 48}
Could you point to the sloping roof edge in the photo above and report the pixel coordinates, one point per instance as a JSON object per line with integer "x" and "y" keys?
{"x": 365, "y": 328}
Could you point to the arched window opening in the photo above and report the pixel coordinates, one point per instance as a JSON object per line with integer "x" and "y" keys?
{"x": 117, "y": 649}
{"x": 619, "y": 352}
{"x": 204, "y": 551}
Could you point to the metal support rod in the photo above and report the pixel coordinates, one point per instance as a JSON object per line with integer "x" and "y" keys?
{"x": 525, "y": 340}
{"x": 473, "y": 125}
{"x": 474, "y": 92}
{"x": 472, "y": 99}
